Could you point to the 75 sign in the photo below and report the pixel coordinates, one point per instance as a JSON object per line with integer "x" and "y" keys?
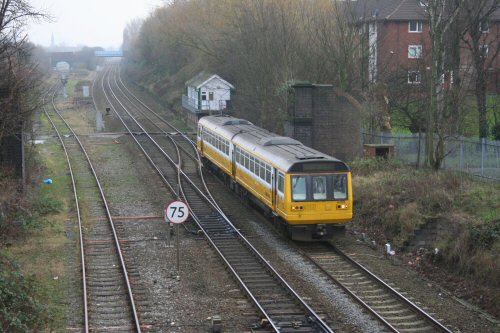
{"x": 177, "y": 212}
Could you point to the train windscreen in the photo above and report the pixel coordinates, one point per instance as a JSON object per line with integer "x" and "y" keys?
{"x": 322, "y": 187}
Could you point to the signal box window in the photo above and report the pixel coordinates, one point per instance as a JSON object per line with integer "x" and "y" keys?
{"x": 415, "y": 26}
{"x": 211, "y": 96}
{"x": 203, "y": 95}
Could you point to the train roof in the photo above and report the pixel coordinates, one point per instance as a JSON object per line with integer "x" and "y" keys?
{"x": 283, "y": 152}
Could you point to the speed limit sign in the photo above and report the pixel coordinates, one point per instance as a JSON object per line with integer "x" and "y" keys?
{"x": 177, "y": 212}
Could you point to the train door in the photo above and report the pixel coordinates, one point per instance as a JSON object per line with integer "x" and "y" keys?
{"x": 273, "y": 189}
{"x": 199, "y": 139}
{"x": 232, "y": 157}
{"x": 280, "y": 191}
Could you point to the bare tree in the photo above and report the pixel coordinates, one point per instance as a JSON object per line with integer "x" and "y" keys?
{"x": 17, "y": 82}
{"x": 483, "y": 45}
{"x": 442, "y": 15}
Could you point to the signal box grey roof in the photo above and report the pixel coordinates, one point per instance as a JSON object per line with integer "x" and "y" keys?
{"x": 281, "y": 152}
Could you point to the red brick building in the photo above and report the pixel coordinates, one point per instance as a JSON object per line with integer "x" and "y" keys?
{"x": 398, "y": 41}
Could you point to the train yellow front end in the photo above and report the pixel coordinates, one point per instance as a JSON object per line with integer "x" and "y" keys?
{"x": 316, "y": 205}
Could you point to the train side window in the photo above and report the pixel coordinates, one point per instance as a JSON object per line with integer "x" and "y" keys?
{"x": 268, "y": 174}
{"x": 262, "y": 172}
{"x": 252, "y": 164}
{"x": 247, "y": 161}
{"x": 340, "y": 187}
{"x": 281, "y": 182}
{"x": 299, "y": 188}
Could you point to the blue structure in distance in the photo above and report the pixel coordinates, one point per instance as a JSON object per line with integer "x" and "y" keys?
{"x": 107, "y": 54}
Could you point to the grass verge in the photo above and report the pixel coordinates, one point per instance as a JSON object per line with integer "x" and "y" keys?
{"x": 37, "y": 249}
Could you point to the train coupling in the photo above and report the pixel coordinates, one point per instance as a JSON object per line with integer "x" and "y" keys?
{"x": 321, "y": 230}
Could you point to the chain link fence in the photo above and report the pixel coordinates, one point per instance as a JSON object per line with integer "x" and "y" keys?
{"x": 474, "y": 156}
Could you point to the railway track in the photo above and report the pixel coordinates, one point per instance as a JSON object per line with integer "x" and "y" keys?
{"x": 396, "y": 312}
{"x": 108, "y": 301}
{"x": 281, "y": 307}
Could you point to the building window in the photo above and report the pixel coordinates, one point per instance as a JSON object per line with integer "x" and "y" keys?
{"x": 484, "y": 27}
{"x": 203, "y": 95}
{"x": 414, "y": 51}
{"x": 211, "y": 96}
{"x": 414, "y": 77}
{"x": 415, "y": 26}
{"x": 483, "y": 49}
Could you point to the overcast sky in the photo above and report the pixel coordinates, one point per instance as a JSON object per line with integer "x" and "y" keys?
{"x": 87, "y": 22}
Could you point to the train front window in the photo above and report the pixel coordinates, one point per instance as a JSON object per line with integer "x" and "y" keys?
{"x": 340, "y": 187}
{"x": 319, "y": 187}
{"x": 299, "y": 188}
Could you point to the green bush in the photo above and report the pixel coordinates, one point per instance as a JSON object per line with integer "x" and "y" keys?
{"x": 47, "y": 205}
{"x": 485, "y": 235}
{"x": 20, "y": 311}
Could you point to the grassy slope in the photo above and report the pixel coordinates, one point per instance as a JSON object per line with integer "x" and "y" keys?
{"x": 393, "y": 200}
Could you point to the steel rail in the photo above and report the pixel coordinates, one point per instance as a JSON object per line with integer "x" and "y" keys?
{"x": 405, "y": 300}
{"x": 319, "y": 322}
{"x": 110, "y": 219}
{"x": 411, "y": 306}
{"x": 78, "y": 213}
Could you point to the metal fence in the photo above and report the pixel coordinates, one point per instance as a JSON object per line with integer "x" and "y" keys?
{"x": 477, "y": 157}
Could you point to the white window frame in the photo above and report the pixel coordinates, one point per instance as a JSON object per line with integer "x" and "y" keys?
{"x": 418, "y": 77}
{"x": 419, "y": 26}
{"x": 481, "y": 26}
{"x": 484, "y": 53}
{"x": 418, "y": 51}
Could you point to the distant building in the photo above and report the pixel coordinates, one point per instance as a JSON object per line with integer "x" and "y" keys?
{"x": 206, "y": 94}
{"x": 397, "y": 37}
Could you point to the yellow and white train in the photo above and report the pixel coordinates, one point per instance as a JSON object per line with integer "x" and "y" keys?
{"x": 306, "y": 190}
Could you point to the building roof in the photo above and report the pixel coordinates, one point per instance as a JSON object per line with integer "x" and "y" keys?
{"x": 396, "y": 10}
{"x": 201, "y": 78}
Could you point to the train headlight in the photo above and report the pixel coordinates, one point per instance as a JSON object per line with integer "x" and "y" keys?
{"x": 297, "y": 207}
{"x": 342, "y": 206}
